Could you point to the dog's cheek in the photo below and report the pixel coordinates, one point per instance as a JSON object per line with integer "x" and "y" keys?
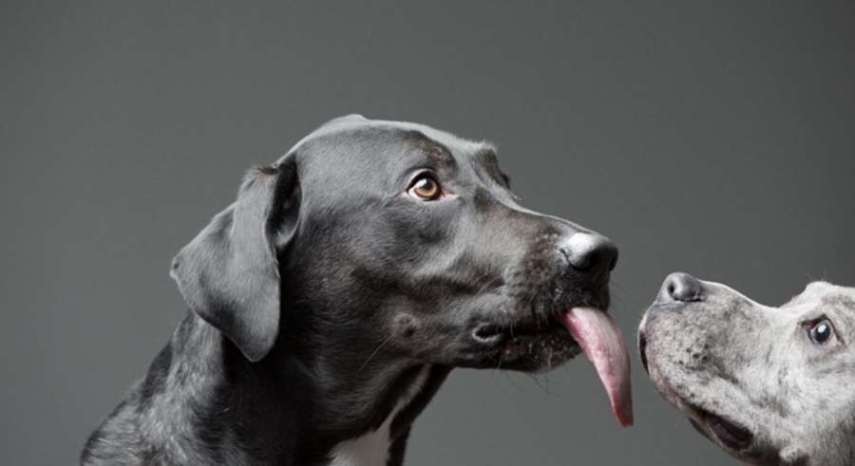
{"x": 676, "y": 347}
{"x": 417, "y": 337}
{"x": 405, "y": 327}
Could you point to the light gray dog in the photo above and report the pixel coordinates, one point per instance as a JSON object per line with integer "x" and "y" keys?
{"x": 770, "y": 385}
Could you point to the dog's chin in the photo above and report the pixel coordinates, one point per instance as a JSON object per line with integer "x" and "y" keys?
{"x": 527, "y": 349}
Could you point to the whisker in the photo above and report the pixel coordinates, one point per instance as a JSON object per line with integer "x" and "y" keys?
{"x": 533, "y": 378}
{"x": 374, "y": 353}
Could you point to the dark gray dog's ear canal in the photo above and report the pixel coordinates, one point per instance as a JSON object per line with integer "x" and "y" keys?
{"x": 229, "y": 273}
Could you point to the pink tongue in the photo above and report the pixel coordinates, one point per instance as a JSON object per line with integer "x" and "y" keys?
{"x": 603, "y": 344}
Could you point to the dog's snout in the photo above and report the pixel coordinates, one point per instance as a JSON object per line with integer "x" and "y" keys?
{"x": 681, "y": 287}
{"x": 590, "y": 252}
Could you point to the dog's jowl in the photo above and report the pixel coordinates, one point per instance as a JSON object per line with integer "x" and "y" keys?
{"x": 332, "y": 298}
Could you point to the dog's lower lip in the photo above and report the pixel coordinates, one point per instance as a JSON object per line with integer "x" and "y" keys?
{"x": 530, "y": 328}
{"x": 698, "y": 427}
{"x": 535, "y": 331}
{"x": 731, "y": 434}
{"x": 531, "y": 345}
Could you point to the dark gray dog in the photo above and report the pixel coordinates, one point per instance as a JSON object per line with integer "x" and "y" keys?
{"x": 769, "y": 385}
{"x": 330, "y": 301}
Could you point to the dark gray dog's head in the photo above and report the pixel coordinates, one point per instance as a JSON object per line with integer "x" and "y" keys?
{"x": 771, "y": 385}
{"x": 376, "y": 241}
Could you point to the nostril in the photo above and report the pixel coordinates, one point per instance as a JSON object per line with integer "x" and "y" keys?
{"x": 613, "y": 261}
{"x": 683, "y": 287}
{"x": 591, "y": 252}
{"x": 487, "y": 333}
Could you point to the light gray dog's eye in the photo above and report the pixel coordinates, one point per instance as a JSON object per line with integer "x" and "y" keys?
{"x": 820, "y": 331}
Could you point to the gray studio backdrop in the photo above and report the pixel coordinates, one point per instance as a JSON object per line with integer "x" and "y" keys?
{"x": 715, "y": 138}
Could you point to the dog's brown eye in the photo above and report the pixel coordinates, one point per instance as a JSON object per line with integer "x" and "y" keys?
{"x": 820, "y": 331}
{"x": 425, "y": 187}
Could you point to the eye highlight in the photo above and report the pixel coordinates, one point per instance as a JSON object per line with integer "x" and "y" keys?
{"x": 820, "y": 331}
{"x": 425, "y": 187}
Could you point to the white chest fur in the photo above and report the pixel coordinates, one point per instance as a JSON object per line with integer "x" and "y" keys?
{"x": 372, "y": 448}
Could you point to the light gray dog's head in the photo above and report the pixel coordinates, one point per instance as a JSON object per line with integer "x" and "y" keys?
{"x": 770, "y": 385}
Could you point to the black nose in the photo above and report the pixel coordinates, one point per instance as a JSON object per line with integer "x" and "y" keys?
{"x": 590, "y": 252}
{"x": 681, "y": 287}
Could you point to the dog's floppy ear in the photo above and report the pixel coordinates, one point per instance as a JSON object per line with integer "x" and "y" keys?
{"x": 229, "y": 273}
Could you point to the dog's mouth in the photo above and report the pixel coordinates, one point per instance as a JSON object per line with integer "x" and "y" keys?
{"x": 532, "y": 346}
{"x": 527, "y": 345}
{"x": 727, "y": 432}
{"x": 733, "y": 435}
{"x": 716, "y": 427}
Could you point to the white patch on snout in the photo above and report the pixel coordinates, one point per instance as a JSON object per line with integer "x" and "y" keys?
{"x": 372, "y": 448}
{"x": 581, "y": 244}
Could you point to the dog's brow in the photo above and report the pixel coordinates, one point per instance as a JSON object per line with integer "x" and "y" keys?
{"x": 487, "y": 154}
{"x": 486, "y": 157}
{"x": 841, "y": 309}
{"x": 433, "y": 149}
{"x": 439, "y": 153}
{"x": 839, "y": 301}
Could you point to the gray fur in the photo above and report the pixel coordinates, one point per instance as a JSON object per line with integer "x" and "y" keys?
{"x": 756, "y": 366}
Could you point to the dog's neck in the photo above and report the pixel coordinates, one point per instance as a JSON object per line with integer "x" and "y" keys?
{"x": 282, "y": 409}
{"x": 373, "y": 447}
